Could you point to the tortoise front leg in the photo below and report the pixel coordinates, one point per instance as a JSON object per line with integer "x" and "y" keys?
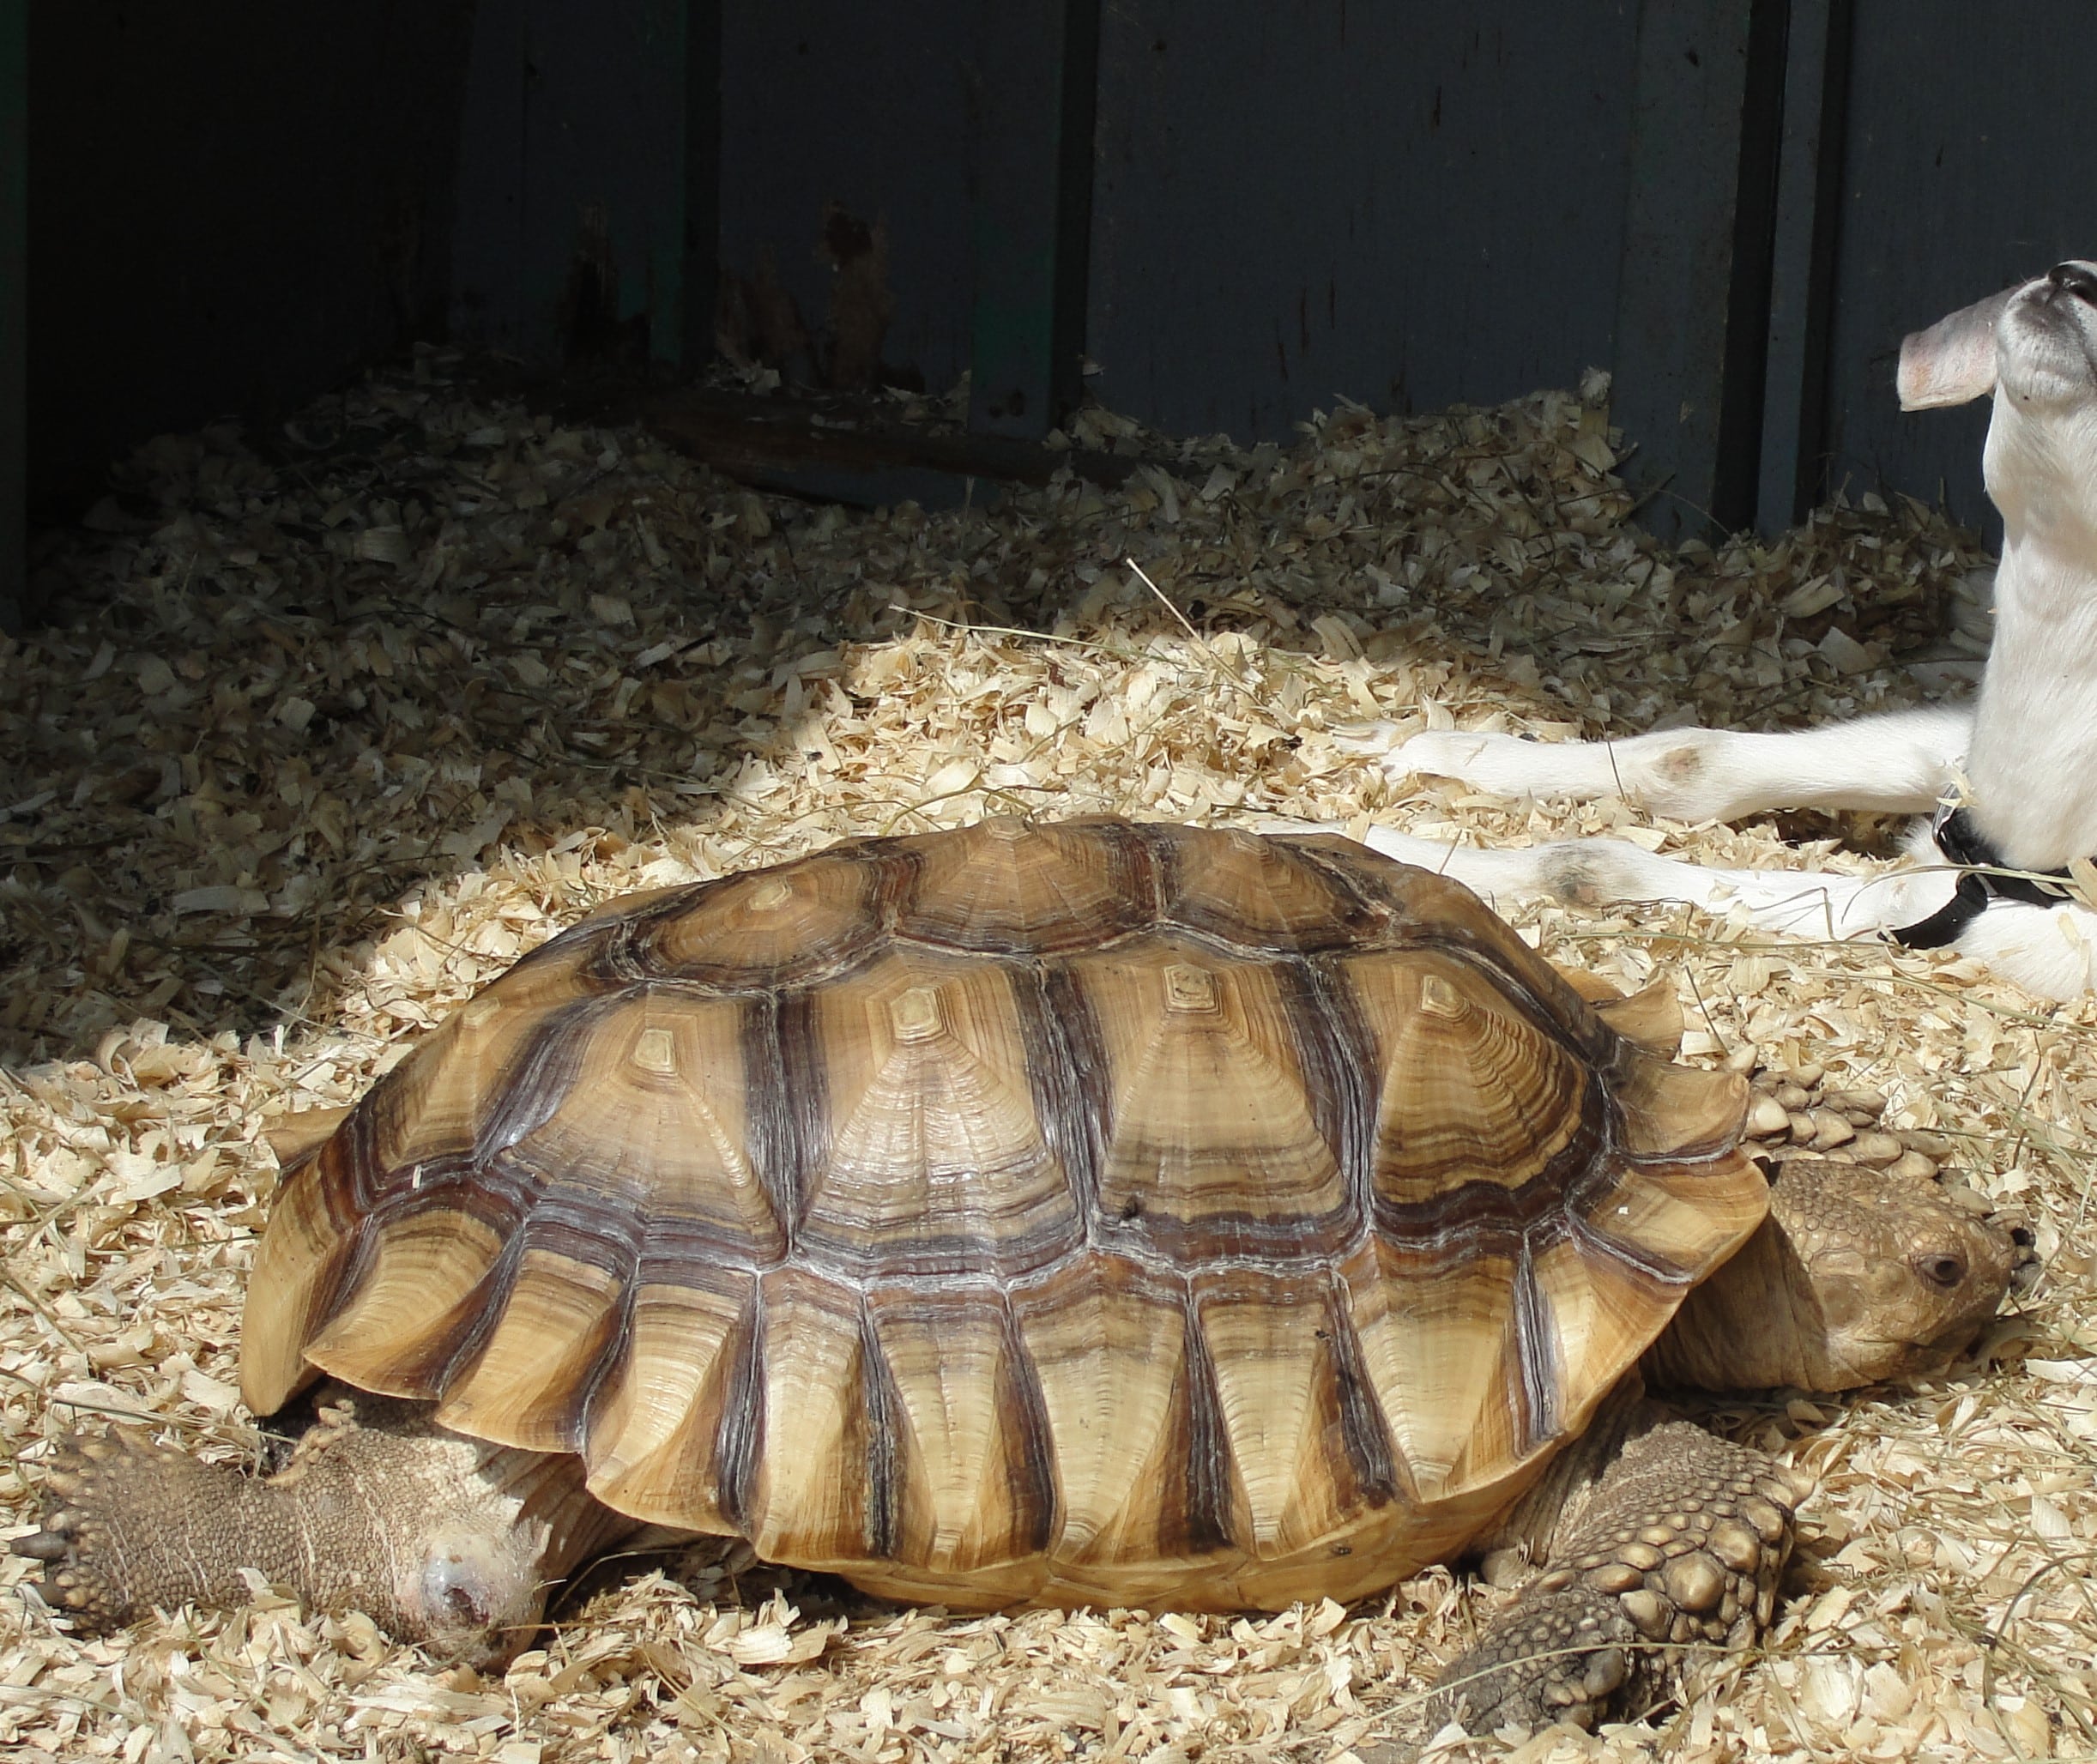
{"x": 440, "y": 1539}
{"x": 1682, "y": 1543}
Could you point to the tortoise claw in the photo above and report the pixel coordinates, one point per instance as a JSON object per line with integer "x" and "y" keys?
{"x": 47, "y": 1545}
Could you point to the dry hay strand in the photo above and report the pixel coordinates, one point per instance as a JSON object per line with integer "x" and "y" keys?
{"x": 348, "y": 719}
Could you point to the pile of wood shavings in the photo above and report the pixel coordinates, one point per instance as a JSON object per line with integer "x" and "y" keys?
{"x": 337, "y": 733}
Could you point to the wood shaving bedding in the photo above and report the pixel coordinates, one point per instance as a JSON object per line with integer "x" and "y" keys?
{"x": 346, "y": 721}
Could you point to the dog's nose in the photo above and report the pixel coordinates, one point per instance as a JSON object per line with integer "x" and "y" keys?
{"x": 2077, "y": 279}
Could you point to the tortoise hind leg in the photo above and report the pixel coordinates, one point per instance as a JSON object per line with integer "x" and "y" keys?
{"x": 439, "y": 1538}
{"x": 1681, "y": 1544}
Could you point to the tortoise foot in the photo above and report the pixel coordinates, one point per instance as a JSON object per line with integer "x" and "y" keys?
{"x": 1681, "y": 1545}
{"x": 1558, "y": 1656}
{"x": 103, "y": 1499}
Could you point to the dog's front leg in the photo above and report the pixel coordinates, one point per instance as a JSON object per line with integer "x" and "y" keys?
{"x": 1597, "y": 872}
{"x": 1901, "y": 763}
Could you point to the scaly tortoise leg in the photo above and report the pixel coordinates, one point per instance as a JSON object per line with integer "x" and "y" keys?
{"x": 1681, "y": 1544}
{"x": 439, "y": 1538}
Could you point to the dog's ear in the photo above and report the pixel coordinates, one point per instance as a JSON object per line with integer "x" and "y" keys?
{"x": 1953, "y": 362}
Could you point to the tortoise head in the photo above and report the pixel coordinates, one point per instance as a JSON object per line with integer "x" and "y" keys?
{"x": 1858, "y": 1276}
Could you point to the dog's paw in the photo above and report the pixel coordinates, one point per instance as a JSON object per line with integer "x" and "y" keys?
{"x": 1374, "y": 740}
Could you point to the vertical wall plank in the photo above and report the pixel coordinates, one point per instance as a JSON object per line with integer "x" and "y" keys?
{"x": 1030, "y": 204}
{"x": 487, "y": 297}
{"x": 1801, "y": 279}
{"x": 874, "y": 110}
{"x": 702, "y": 185}
{"x": 14, "y": 314}
{"x": 571, "y": 235}
{"x": 1689, "y": 318}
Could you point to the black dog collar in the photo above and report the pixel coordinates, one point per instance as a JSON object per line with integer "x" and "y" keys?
{"x": 1983, "y": 882}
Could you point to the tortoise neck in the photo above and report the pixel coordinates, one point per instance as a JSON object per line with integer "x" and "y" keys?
{"x": 1745, "y": 1328}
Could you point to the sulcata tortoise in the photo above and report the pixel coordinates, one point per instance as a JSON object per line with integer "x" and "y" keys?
{"x": 1076, "y": 1213}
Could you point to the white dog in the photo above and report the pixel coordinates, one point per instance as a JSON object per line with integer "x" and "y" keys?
{"x": 2011, "y": 780}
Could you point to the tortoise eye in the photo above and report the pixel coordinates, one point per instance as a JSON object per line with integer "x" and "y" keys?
{"x": 1942, "y": 1269}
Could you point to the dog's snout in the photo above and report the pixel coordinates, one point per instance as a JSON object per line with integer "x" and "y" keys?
{"x": 2075, "y": 278}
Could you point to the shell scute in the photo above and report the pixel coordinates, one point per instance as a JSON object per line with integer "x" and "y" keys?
{"x": 1107, "y": 1341}
{"x": 1262, "y": 893}
{"x": 527, "y": 1382}
{"x": 654, "y": 1126}
{"x": 1214, "y": 1145}
{"x": 827, "y": 1481}
{"x": 979, "y": 1493}
{"x": 1281, "y": 1347}
{"x": 1442, "y": 1340}
{"x": 781, "y": 926}
{"x": 1673, "y": 1111}
{"x": 489, "y": 1060}
{"x": 652, "y": 1446}
{"x": 1006, "y": 886}
{"x": 1475, "y": 1090}
{"x": 1426, "y": 908}
{"x": 936, "y": 1161}
{"x": 416, "y": 1294}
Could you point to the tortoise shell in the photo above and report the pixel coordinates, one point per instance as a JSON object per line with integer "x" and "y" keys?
{"x": 1079, "y": 1212}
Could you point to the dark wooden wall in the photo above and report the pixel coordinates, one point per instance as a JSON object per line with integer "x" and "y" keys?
{"x": 231, "y": 207}
{"x": 1239, "y": 210}
{"x": 936, "y": 169}
{"x": 1415, "y": 206}
{"x": 833, "y": 117}
{"x": 1352, "y": 201}
{"x": 585, "y": 181}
